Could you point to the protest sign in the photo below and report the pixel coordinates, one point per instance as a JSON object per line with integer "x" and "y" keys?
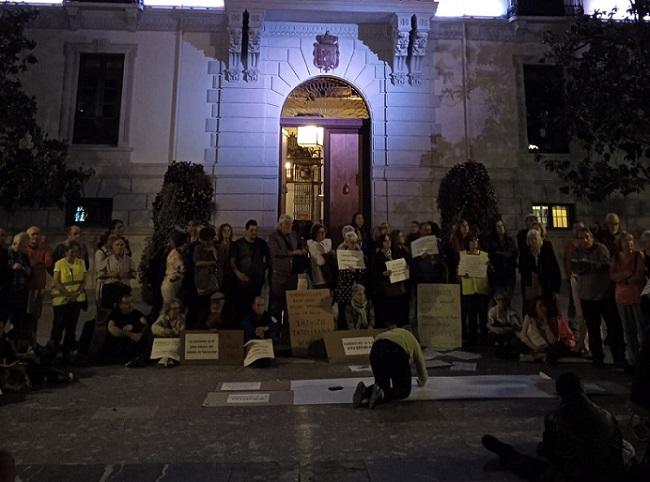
{"x": 424, "y": 245}
{"x": 399, "y": 270}
{"x": 349, "y": 258}
{"x": 310, "y": 316}
{"x": 166, "y": 348}
{"x": 349, "y": 346}
{"x": 258, "y": 350}
{"x": 473, "y": 265}
{"x": 224, "y": 347}
{"x": 438, "y": 313}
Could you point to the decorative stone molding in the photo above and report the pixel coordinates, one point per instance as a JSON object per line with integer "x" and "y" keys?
{"x": 235, "y": 26}
{"x": 419, "y": 41}
{"x": 255, "y": 28}
{"x": 401, "y": 28}
{"x": 281, "y": 29}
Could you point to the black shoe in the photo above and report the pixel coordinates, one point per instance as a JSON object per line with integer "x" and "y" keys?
{"x": 376, "y": 396}
{"x": 494, "y": 445}
{"x": 359, "y": 392}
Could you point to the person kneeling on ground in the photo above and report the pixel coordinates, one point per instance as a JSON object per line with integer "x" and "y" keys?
{"x": 127, "y": 339}
{"x": 581, "y": 442}
{"x": 359, "y": 314}
{"x": 391, "y": 356}
{"x": 259, "y": 324}
{"x": 545, "y": 332}
{"x": 504, "y": 325}
{"x": 169, "y": 324}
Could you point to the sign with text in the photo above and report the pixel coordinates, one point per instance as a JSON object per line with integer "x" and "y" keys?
{"x": 439, "y": 323}
{"x": 424, "y": 245}
{"x": 399, "y": 270}
{"x": 350, "y": 258}
{"x": 258, "y": 350}
{"x": 225, "y": 347}
{"x": 473, "y": 265}
{"x": 166, "y": 348}
{"x": 310, "y": 316}
{"x": 349, "y": 346}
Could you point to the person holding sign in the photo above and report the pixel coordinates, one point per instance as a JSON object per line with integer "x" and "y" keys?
{"x": 391, "y": 299}
{"x": 169, "y": 324}
{"x": 391, "y": 357}
{"x": 474, "y": 295}
{"x": 347, "y": 277}
{"x": 359, "y": 314}
{"x": 127, "y": 335}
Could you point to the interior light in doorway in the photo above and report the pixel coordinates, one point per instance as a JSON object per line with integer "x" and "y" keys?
{"x": 310, "y": 136}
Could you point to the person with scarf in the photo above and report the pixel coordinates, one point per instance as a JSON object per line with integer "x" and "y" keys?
{"x": 391, "y": 299}
{"x": 359, "y": 314}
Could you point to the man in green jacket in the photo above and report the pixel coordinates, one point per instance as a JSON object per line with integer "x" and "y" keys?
{"x": 390, "y": 357}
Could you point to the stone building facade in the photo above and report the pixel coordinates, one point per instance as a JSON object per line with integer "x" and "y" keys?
{"x": 211, "y": 86}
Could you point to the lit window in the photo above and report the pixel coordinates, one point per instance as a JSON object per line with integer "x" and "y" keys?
{"x": 471, "y": 8}
{"x": 185, "y": 3}
{"x": 554, "y": 216}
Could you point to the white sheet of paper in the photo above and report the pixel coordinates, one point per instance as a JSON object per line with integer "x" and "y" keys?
{"x": 399, "y": 270}
{"x": 424, "y": 245}
{"x": 359, "y": 368}
{"x": 436, "y": 364}
{"x": 359, "y": 345}
{"x": 463, "y": 367}
{"x": 473, "y": 265}
{"x": 349, "y": 258}
{"x": 432, "y": 354}
{"x": 245, "y": 398}
{"x": 166, "y": 348}
{"x": 327, "y": 244}
{"x": 240, "y": 386}
{"x": 257, "y": 350}
{"x": 463, "y": 355}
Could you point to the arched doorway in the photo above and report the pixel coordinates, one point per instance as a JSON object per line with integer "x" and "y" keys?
{"x": 325, "y": 154}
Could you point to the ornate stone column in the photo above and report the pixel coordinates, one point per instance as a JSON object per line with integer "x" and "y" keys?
{"x": 235, "y": 25}
{"x": 255, "y": 27}
{"x": 401, "y": 28}
{"x": 420, "y": 39}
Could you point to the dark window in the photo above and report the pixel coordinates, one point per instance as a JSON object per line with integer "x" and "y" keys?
{"x": 544, "y": 86}
{"x": 545, "y": 8}
{"x": 94, "y": 211}
{"x": 99, "y": 96}
{"x": 555, "y": 216}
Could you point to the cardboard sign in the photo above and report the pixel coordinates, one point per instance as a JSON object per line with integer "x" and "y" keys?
{"x": 310, "y": 317}
{"x": 166, "y": 348}
{"x": 258, "y": 350}
{"x": 350, "y": 258}
{"x": 225, "y": 347}
{"x": 439, "y": 323}
{"x": 424, "y": 245}
{"x": 245, "y": 398}
{"x": 349, "y": 346}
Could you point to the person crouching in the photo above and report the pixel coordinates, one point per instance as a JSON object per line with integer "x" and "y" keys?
{"x": 169, "y": 324}
{"x": 391, "y": 356}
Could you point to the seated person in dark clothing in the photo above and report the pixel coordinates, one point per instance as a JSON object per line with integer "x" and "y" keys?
{"x": 215, "y": 319}
{"x": 581, "y": 442}
{"x": 259, "y": 324}
{"x": 127, "y": 339}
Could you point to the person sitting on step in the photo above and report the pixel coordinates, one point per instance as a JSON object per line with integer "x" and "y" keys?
{"x": 259, "y": 325}
{"x": 169, "y": 324}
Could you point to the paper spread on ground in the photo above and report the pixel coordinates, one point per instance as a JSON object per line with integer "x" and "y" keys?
{"x": 360, "y": 368}
{"x": 240, "y": 386}
{"x": 399, "y": 270}
{"x": 166, "y": 348}
{"x": 436, "y": 364}
{"x": 463, "y": 367}
{"x": 463, "y": 355}
{"x": 258, "y": 350}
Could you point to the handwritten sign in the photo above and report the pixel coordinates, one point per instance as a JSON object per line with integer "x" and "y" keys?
{"x": 399, "y": 270}
{"x": 357, "y": 346}
{"x": 424, "y": 245}
{"x": 201, "y": 346}
{"x": 439, "y": 323}
{"x": 258, "y": 350}
{"x": 350, "y": 258}
{"x": 248, "y": 398}
{"x": 310, "y": 316}
{"x": 326, "y": 243}
{"x": 473, "y": 265}
{"x": 166, "y": 348}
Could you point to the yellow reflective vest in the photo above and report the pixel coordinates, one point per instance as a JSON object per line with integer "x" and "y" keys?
{"x": 71, "y": 279}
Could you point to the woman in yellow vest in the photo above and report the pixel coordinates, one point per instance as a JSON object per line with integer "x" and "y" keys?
{"x": 67, "y": 296}
{"x": 474, "y": 290}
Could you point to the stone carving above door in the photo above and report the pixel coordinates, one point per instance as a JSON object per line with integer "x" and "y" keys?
{"x": 326, "y": 52}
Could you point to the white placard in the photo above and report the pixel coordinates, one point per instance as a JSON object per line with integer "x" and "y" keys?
{"x": 258, "y": 350}
{"x": 350, "y": 258}
{"x": 245, "y": 398}
{"x": 424, "y": 245}
{"x": 327, "y": 244}
{"x": 399, "y": 270}
{"x": 473, "y": 265}
{"x": 166, "y": 348}
{"x": 240, "y": 386}
{"x": 463, "y": 367}
{"x": 360, "y": 345}
{"x": 202, "y": 346}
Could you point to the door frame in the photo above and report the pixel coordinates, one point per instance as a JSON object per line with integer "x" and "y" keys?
{"x": 362, "y": 126}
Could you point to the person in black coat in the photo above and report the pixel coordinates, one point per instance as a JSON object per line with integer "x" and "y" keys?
{"x": 503, "y": 253}
{"x": 391, "y": 300}
{"x": 540, "y": 271}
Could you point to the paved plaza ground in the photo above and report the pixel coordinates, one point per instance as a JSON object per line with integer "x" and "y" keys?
{"x": 148, "y": 424}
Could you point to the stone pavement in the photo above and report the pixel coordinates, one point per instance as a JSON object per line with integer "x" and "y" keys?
{"x": 147, "y": 424}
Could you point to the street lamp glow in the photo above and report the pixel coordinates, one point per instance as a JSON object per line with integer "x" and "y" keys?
{"x": 472, "y": 8}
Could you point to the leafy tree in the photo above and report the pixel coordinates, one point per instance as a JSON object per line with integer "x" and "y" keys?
{"x": 606, "y": 105}
{"x": 32, "y": 166}
{"x": 466, "y": 192}
{"x": 187, "y": 194}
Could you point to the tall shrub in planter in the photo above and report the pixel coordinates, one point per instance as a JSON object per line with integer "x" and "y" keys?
{"x": 186, "y": 194}
{"x": 466, "y": 192}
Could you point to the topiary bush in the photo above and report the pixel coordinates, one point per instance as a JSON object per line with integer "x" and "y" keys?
{"x": 187, "y": 193}
{"x": 466, "y": 192}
